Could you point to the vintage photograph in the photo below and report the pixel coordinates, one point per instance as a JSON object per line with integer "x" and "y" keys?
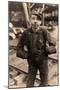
{"x": 33, "y": 32}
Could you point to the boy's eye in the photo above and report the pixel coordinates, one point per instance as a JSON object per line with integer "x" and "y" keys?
{"x": 33, "y": 18}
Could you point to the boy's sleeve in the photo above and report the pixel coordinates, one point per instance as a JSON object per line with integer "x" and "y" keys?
{"x": 51, "y": 48}
{"x": 20, "y": 52}
{"x": 50, "y": 39}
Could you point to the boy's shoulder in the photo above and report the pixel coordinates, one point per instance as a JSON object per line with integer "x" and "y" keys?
{"x": 27, "y": 32}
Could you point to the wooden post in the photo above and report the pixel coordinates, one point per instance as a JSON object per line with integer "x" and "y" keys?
{"x": 26, "y": 14}
{"x": 43, "y": 14}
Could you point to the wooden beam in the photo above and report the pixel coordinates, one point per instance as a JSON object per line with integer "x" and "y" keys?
{"x": 26, "y": 14}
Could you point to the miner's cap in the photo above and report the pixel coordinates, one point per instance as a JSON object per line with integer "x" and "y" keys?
{"x": 38, "y": 16}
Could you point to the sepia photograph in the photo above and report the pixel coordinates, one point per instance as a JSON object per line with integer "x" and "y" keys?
{"x": 33, "y": 43}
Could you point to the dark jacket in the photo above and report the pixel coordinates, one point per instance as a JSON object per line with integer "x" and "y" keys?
{"x": 35, "y": 43}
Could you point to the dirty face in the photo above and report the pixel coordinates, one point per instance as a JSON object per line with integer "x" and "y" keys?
{"x": 34, "y": 22}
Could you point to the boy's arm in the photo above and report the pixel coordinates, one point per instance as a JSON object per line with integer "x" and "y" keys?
{"x": 50, "y": 39}
{"x": 20, "y": 52}
{"x": 51, "y": 48}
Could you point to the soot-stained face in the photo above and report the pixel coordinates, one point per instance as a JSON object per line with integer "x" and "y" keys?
{"x": 35, "y": 22}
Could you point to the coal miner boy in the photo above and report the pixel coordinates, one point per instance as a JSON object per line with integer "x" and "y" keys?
{"x": 35, "y": 39}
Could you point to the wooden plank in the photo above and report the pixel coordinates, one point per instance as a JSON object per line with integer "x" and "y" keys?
{"x": 18, "y": 62}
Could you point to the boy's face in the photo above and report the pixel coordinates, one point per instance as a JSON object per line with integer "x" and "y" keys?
{"x": 34, "y": 22}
